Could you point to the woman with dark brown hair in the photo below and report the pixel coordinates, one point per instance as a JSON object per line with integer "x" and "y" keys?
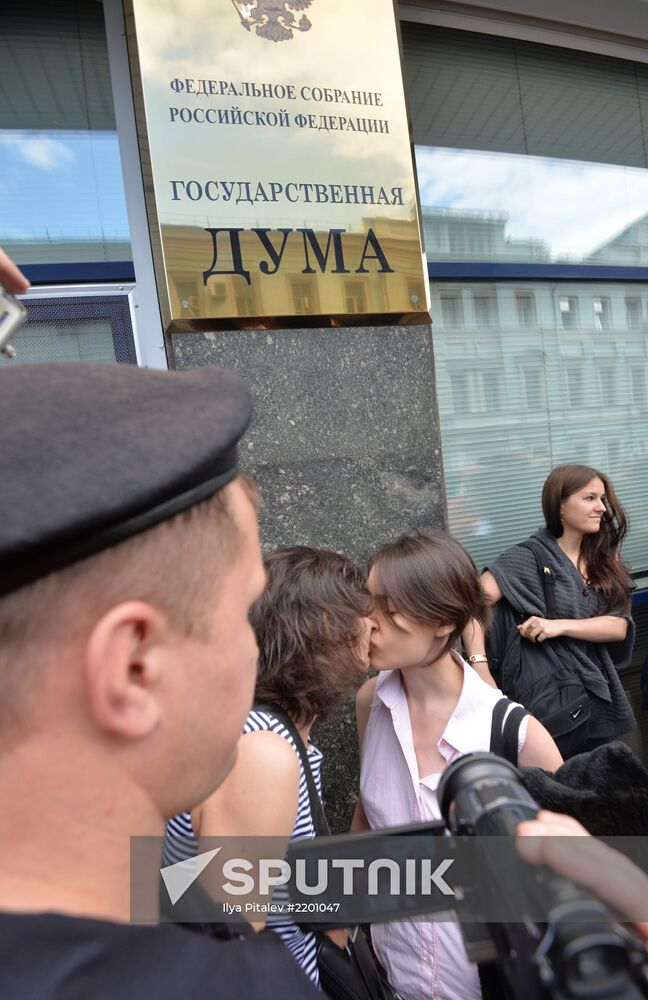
{"x": 426, "y": 708}
{"x": 312, "y": 629}
{"x": 592, "y": 629}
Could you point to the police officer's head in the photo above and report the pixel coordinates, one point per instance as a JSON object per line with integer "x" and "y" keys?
{"x": 129, "y": 559}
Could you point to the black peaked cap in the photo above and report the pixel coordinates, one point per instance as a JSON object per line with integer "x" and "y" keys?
{"x": 93, "y": 454}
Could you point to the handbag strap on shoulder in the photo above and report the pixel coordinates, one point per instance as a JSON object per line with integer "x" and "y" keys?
{"x": 317, "y": 811}
{"x": 546, "y": 574}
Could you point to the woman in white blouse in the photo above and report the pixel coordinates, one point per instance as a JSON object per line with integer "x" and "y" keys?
{"x": 426, "y": 708}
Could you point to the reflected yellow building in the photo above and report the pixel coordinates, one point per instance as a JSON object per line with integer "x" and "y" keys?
{"x": 290, "y": 291}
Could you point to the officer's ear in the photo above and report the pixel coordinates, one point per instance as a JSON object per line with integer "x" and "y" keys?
{"x": 123, "y": 665}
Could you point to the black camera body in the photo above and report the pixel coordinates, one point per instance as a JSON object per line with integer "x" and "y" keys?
{"x": 579, "y": 950}
{"x": 548, "y": 938}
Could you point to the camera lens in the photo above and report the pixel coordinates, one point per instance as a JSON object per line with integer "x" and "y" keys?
{"x": 482, "y": 794}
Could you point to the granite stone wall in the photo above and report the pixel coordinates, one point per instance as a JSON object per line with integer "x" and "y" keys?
{"x": 345, "y": 445}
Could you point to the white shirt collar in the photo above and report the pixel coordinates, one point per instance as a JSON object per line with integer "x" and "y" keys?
{"x": 459, "y": 732}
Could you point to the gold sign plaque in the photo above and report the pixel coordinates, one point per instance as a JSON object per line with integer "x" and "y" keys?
{"x": 281, "y": 175}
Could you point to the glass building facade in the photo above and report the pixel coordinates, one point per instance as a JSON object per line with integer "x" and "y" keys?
{"x": 533, "y": 179}
{"x": 532, "y": 162}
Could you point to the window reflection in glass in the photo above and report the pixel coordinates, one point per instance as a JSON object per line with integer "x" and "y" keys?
{"x": 608, "y": 386}
{"x": 533, "y": 387}
{"x": 485, "y": 306}
{"x": 480, "y": 205}
{"x": 61, "y": 192}
{"x": 568, "y": 306}
{"x": 354, "y": 297}
{"x": 521, "y": 396}
{"x": 246, "y": 304}
{"x": 452, "y": 309}
{"x": 492, "y": 397}
{"x": 62, "y": 197}
{"x": 304, "y": 296}
{"x": 575, "y": 386}
{"x": 459, "y": 387}
{"x": 526, "y": 310}
{"x": 602, "y": 313}
{"x": 634, "y": 313}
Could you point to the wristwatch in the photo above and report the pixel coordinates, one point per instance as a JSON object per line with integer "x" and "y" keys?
{"x": 478, "y": 658}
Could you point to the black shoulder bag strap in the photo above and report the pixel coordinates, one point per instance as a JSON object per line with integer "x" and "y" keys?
{"x": 317, "y": 812}
{"x": 504, "y": 735}
{"x": 358, "y": 949}
{"x": 546, "y": 575}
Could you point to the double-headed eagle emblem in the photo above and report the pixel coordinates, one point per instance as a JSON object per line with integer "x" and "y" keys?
{"x": 275, "y": 20}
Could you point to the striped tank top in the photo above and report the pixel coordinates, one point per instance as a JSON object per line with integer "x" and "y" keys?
{"x": 181, "y": 843}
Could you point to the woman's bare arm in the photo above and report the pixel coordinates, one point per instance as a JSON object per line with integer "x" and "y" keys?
{"x": 539, "y": 749}
{"x": 474, "y": 641}
{"x": 603, "y": 628}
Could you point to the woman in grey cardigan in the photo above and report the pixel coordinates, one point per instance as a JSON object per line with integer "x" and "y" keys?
{"x": 585, "y": 525}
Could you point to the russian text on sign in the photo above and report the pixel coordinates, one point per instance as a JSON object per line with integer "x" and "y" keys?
{"x": 311, "y": 244}
{"x": 274, "y": 191}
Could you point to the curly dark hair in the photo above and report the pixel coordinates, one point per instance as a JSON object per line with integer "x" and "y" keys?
{"x": 307, "y": 628}
{"x": 599, "y": 551}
